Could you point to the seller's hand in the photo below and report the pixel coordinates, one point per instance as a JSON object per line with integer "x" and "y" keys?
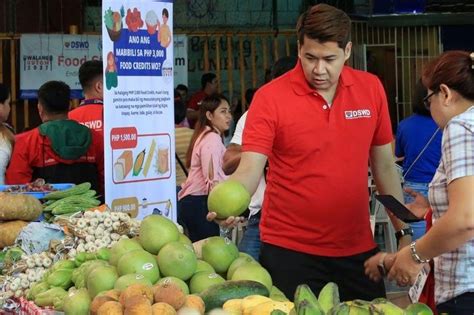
{"x": 404, "y": 270}
{"x": 372, "y": 268}
{"x": 420, "y": 205}
{"x": 229, "y": 223}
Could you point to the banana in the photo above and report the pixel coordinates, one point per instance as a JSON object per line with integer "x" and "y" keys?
{"x": 329, "y": 296}
{"x": 386, "y": 308}
{"x": 306, "y": 302}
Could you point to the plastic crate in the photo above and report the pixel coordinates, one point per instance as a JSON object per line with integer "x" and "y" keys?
{"x": 37, "y": 194}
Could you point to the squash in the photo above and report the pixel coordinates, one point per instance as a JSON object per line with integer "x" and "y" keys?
{"x": 19, "y": 207}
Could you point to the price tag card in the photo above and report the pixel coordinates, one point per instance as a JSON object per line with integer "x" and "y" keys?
{"x": 415, "y": 291}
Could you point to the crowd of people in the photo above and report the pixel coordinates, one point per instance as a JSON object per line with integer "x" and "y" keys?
{"x": 302, "y": 150}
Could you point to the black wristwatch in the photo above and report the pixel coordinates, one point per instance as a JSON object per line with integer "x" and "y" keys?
{"x": 403, "y": 232}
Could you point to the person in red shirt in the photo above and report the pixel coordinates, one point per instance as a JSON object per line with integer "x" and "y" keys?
{"x": 318, "y": 126}
{"x": 208, "y": 87}
{"x": 90, "y": 111}
{"x": 60, "y": 150}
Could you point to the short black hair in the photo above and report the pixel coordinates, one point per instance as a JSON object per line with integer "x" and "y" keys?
{"x": 207, "y": 78}
{"x": 4, "y": 92}
{"x": 417, "y": 104}
{"x": 182, "y": 87}
{"x": 283, "y": 65}
{"x": 179, "y": 108}
{"x": 54, "y": 96}
{"x": 90, "y": 71}
{"x": 165, "y": 13}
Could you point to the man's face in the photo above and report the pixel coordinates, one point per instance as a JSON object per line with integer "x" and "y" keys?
{"x": 322, "y": 62}
{"x": 212, "y": 86}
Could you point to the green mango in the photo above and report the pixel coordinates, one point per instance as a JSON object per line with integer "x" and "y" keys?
{"x": 329, "y": 296}
{"x": 306, "y": 307}
{"x": 306, "y": 302}
{"x": 418, "y": 309}
{"x": 77, "y": 303}
{"x": 46, "y": 298}
{"x": 103, "y": 254}
{"x": 58, "y": 304}
{"x": 339, "y": 309}
{"x": 61, "y": 278}
{"x": 386, "y": 308}
{"x": 64, "y": 264}
{"x": 80, "y": 259}
{"x": 277, "y": 295}
{"x": 36, "y": 289}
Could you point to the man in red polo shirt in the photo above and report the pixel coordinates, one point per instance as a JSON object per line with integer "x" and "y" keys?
{"x": 208, "y": 87}
{"x": 318, "y": 126}
{"x": 90, "y": 112}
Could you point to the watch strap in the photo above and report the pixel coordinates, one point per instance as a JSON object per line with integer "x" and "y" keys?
{"x": 403, "y": 232}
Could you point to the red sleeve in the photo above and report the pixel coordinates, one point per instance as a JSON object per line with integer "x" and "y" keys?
{"x": 261, "y": 125}
{"x": 383, "y": 131}
{"x": 19, "y": 171}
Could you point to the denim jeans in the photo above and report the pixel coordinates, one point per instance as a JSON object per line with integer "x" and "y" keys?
{"x": 460, "y": 305}
{"x": 419, "y": 228}
{"x": 250, "y": 242}
{"x": 192, "y": 211}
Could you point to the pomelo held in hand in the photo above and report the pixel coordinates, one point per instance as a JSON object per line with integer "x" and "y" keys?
{"x": 229, "y": 198}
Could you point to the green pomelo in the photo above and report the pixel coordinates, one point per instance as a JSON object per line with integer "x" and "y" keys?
{"x": 228, "y": 198}
{"x": 418, "y": 309}
{"x": 141, "y": 262}
{"x": 101, "y": 279}
{"x": 156, "y": 231}
{"x": 237, "y": 263}
{"x": 242, "y": 254}
{"x": 203, "y": 266}
{"x": 254, "y": 272}
{"x": 184, "y": 239}
{"x": 220, "y": 253}
{"x": 126, "y": 280}
{"x": 123, "y": 246}
{"x": 177, "y": 260}
{"x": 176, "y": 281}
{"x": 203, "y": 280}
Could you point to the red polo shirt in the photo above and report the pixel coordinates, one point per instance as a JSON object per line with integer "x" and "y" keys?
{"x": 316, "y": 200}
{"x": 90, "y": 113}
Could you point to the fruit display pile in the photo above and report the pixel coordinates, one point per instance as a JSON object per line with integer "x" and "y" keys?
{"x": 112, "y": 264}
{"x": 109, "y": 263}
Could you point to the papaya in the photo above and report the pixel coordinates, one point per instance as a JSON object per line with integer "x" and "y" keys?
{"x": 138, "y": 164}
{"x": 216, "y": 295}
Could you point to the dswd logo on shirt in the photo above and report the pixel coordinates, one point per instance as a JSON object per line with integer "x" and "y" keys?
{"x": 355, "y": 114}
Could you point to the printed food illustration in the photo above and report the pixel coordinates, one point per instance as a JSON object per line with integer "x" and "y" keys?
{"x": 162, "y": 159}
{"x": 149, "y": 158}
{"x": 134, "y": 20}
{"x": 113, "y": 22}
{"x": 123, "y": 165}
{"x": 137, "y": 166}
{"x": 151, "y": 20}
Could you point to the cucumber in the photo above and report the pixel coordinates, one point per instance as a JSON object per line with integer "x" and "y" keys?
{"x": 74, "y": 190}
{"x": 216, "y": 295}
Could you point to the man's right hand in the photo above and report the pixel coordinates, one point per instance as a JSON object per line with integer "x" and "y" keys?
{"x": 230, "y": 222}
